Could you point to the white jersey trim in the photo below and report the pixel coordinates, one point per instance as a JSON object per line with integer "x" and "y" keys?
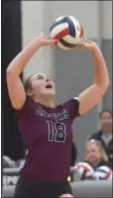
{"x": 76, "y": 98}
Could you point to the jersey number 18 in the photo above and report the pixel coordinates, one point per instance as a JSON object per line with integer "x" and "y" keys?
{"x": 56, "y": 131}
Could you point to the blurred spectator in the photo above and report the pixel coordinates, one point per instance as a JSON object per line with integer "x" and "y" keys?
{"x": 105, "y": 134}
{"x": 95, "y": 154}
{"x": 96, "y": 161}
{"x": 8, "y": 162}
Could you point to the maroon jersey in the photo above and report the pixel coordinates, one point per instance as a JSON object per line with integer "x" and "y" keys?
{"x": 47, "y": 134}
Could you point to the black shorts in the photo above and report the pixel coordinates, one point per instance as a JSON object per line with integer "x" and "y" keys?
{"x": 32, "y": 188}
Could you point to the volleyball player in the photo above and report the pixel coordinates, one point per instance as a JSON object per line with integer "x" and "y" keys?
{"x": 47, "y": 129}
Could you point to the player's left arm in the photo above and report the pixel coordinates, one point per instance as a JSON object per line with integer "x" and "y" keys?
{"x": 92, "y": 95}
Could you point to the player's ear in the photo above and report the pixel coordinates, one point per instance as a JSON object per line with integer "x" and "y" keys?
{"x": 30, "y": 92}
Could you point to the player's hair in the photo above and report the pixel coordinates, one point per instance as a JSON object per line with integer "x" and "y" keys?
{"x": 101, "y": 148}
{"x": 104, "y": 111}
{"x": 27, "y": 83}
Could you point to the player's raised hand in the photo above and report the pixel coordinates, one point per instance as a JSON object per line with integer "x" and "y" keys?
{"x": 88, "y": 44}
{"x": 42, "y": 40}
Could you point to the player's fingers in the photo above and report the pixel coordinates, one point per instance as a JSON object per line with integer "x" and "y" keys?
{"x": 49, "y": 37}
{"x": 41, "y": 35}
{"x": 51, "y": 42}
{"x": 77, "y": 46}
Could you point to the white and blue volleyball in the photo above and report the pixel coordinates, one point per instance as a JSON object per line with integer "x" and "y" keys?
{"x": 103, "y": 173}
{"x": 68, "y": 31}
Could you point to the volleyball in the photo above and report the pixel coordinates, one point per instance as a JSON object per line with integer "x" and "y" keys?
{"x": 103, "y": 173}
{"x": 68, "y": 31}
{"x": 84, "y": 170}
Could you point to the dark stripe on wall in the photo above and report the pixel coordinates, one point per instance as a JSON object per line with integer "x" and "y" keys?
{"x": 11, "y": 46}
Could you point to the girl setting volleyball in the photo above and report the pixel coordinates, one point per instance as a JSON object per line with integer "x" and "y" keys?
{"x": 46, "y": 128}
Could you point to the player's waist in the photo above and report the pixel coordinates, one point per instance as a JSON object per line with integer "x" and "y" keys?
{"x": 46, "y": 173}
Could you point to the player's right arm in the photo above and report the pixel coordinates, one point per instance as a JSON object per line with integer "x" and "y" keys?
{"x": 15, "y": 87}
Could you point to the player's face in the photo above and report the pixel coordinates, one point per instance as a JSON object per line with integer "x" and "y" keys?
{"x": 93, "y": 153}
{"x": 42, "y": 85}
{"x": 106, "y": 121}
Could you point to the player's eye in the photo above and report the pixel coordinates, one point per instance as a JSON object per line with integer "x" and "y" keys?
{"x": 93, "y": 150}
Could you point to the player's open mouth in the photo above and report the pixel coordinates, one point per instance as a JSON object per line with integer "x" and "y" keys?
{"x": 49, "y": 86}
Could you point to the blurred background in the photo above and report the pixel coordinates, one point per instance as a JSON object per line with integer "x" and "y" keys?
{"x": 21, "y": 22}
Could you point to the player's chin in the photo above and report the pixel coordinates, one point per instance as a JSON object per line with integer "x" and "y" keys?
{"x": 92, "y": 160}
{"x": 50, "y": 92}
